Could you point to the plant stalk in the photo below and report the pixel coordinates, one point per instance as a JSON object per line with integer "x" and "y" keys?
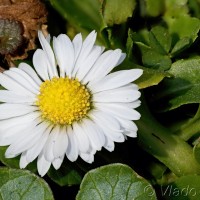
{"x": 160, "y": 142}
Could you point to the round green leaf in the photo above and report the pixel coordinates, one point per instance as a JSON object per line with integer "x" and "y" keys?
{"x": 19, "y": 184}
{"x": 116, "y": 182}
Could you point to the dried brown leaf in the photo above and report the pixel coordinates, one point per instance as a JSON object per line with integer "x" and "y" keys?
{"x": 32, "y": 14}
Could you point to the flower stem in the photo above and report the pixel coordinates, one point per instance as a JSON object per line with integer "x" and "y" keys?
{"x": 170, "y": 149}
{"x": 190, "y": 128}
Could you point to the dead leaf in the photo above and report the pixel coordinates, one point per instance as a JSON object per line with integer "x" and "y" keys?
{"x": 32, "y": 15}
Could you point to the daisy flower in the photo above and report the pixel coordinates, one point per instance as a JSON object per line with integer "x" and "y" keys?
{"x": 69, "y": 104}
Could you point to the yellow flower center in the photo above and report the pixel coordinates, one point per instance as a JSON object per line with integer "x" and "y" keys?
{"x": 63, "y": 100}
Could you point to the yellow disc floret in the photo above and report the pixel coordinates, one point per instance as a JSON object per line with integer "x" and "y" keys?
{"x": 63, "y": 100}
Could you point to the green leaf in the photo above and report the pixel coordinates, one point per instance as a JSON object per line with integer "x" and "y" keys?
{"x": 153, "y": 8}
{"x": 196, "y": 152}
{"x": 152, "y": 59}
{"x": 184, "y": 188}
{"x": 129, "y": 44}
{"x": 149, "y": 77}
{"x": 14, "y": 162}
{"x": 160, "y": 40}
{"x": 83, "y": 14}
{"x": 181, "y": 45}
{"x": 194, "y": 6}
{"x": 183, "y": 88}
{"x": 22, "y": 185}
{"x": 115, "y": 181}
{"x": 175, "y": 8}
{"x": 115, "y": 36}
{"x": 184, "y": 26}
{"x": 68, "y": 174}
{"x": 117, "y": 11}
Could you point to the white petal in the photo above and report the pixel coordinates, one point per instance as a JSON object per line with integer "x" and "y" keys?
{"x": 117, "y": 95}
{"x": 57, "y": 162}
{"x": 119, "y": 110}
{"x": 130, "y": 128}
{"x": 33, "y": 152}
{"x": 115, "y": 80}
{"x": 121, "y": 59}
{"x": 106, "y": 119}
{"x": 86, "y": 65}
{"x": 49, "y": 146}
{"x": 23, "y": 162}
{"x": 93, "y": 134}
{"x": 49, "y": 55}
{"x": 105, "y": 63}
{"x": 89, "y": 158}
{"x": 64, "y": 52}
{"x": 11, "y": 97}
{"x": 77, "y": 43}
{"x": 85, "y": 50}
{"x": 41, "y": 64}
{"x": 72, "y": 149}
{"x": 42, "y": 165}
{"x": 109, "y": 144}
{"x": 81, "y": 137}
{"x": 11, "y": 84}
{"x": 11, "y": 134}
{"x": 20, "y": 79}
{"x": 128, "y": 125}
{"x": 114, "y": 135}
{"x": 25, "y": 76}
{"x": 24, "y": 143}
{"x": 13, "y": 110}
{"x": 61, "y": 143}
{"x": 28, "y": 69}
{"x": 134, "y": 104}
{"x": 48, "y": 38}
{"x": 25, "y": 119}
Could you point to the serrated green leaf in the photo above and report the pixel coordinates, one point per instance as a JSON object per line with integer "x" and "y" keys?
{"x": 117, "y": 11}
{"x": 116, "y": 182}
{"x": 184, "y": 26}
{"x": 183, "y": 88}
{"x": 160, "y": 40}
{"x": 182, "y": 44}
{"x": 149, "y": 77}
{"x": 175, "y": 8}
{"x": 152, "y": 59}
{"x": 68, "y": 174}
{"x": 184, "y": 188}
{"x": 19, "y": 184}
